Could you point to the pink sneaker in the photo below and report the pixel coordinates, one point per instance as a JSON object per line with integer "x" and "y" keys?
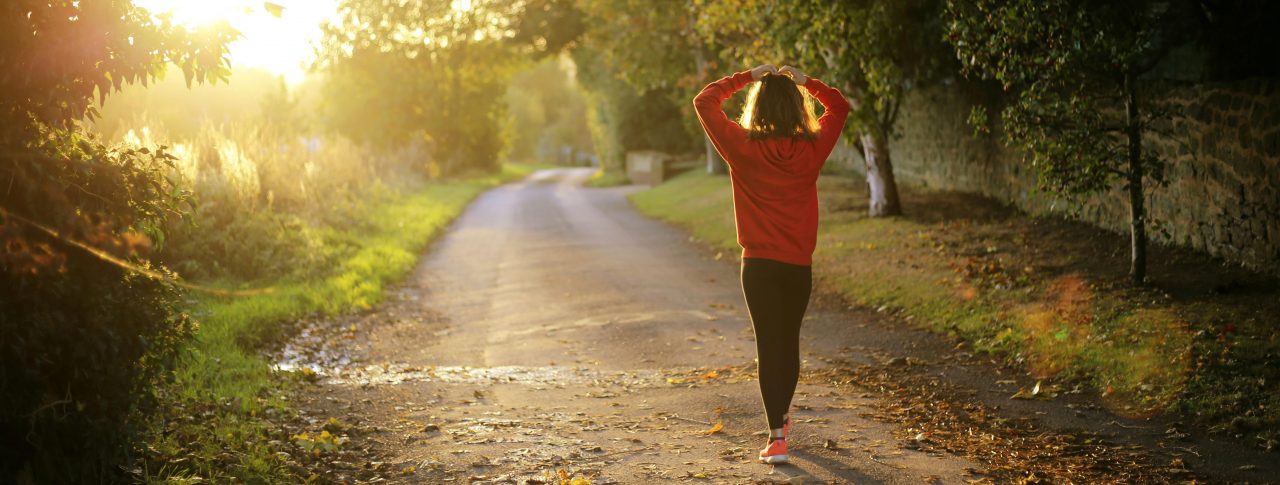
{"x": 776, "y": 452}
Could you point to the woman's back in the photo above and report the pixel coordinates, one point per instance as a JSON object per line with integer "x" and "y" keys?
{"x": 773, "y": 164}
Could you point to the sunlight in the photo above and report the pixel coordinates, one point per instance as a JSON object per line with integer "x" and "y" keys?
{"x": 280, "y": 44}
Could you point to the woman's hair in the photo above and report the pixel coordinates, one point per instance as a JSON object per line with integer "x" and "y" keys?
{"x": 777, "y": 109}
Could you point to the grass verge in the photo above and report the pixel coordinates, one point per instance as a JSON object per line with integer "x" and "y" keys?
{"x": 1046, "y": 294}
{"x": 607, "y": 179}
{"x": 227, "y": 414}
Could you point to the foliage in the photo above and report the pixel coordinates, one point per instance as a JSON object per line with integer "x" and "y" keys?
{"x": 82, "y": 353}
{"x": 640, "y": 66}
{"x": 622, "y": 119}
{"x": 1062, "y": 61}
{"x": 547, "y": 114}
{"x": 546, "y": 27}
{"x": 1073, "y": 69}
{"x": 255, "y": 190}
{"x": 85, "y": 341}
{"x": 874, "y": 51}
{"x": 648, "y": 48}
{"x": 421, "y": 73}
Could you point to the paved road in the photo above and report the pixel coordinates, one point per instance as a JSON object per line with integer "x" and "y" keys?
{"x": 555, "y": 328}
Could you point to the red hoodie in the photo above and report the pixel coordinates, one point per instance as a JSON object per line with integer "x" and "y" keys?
{"x": 775, "y": 191}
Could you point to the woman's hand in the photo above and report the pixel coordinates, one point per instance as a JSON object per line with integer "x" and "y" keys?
{"x": 794, "y": 74}
{"x": 759, "y": 71}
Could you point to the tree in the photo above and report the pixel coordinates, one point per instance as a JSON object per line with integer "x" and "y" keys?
{"x": 654, "y": 51}
{"x": 425, "y": 72}
{"x": 546, "y": 113}
{"x": 1074, "y": 68}
{"x": 88, "y": 335}
{"x": 624, "y": 119}
{"x": 874, "y": 51}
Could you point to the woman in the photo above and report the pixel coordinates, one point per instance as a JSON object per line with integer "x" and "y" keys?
{"x": 774, "y": 155}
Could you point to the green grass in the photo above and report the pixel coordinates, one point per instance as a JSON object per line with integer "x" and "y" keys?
{"x": 607, "y": 179}
{"x": 1012, "y": 286}
{"x": 214, "y": 426}
{"x": 701, "y": 204}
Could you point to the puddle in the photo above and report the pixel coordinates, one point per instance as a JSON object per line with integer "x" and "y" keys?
{"x": 322, "y": 345}
{"x": 545, "y": 375}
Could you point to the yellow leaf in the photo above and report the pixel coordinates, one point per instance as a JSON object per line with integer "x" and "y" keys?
{"x": 711, "y": 375}
{"x": 580, "y": 481}
{"x": 715, "y": 429}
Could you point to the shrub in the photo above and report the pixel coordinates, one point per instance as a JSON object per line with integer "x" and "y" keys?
{"x": 89, "y": 329}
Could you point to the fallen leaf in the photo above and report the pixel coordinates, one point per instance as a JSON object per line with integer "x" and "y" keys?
{"x": 715, "y": 429}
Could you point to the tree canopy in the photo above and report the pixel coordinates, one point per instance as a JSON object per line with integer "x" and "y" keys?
{"x": 421, "y": 72}
{"x": 1073, "y": 70}
{"x": 874, "y": 51}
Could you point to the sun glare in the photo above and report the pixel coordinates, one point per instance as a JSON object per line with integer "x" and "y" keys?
{"x": 277, "y": 36}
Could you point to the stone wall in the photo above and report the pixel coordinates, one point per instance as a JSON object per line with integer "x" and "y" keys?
{"x": 1223, "y": 156}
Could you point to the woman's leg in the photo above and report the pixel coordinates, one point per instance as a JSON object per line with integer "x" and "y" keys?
{"x": 777, "y": 296}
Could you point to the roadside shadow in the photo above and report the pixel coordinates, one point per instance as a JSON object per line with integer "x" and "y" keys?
{"x": 809, "y": 462}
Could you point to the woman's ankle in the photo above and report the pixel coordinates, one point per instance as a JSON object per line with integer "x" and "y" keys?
{"x": 776, "y": 434}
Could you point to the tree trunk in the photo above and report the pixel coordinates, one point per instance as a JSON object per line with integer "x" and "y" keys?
{"x": 1137, "y": 209}
{"x": 715, "y": 164}
{"x": 884, "y": 190}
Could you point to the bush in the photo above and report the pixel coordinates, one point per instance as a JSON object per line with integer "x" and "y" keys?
{"x": 82, "y": 352}
{"x": 86, "y": 339}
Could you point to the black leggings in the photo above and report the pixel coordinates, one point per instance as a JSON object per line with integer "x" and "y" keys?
{"x": 777, "y": 296}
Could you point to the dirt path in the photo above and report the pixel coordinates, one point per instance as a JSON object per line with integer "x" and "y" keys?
{"x": 554, "y": 329}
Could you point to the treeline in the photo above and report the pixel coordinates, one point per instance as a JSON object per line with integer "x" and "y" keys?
{"x": 91, "y": 230}
{"x": 1071, "y": 80}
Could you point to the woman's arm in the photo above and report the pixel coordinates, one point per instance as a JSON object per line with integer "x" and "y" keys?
{"x": 832, "y": 121}
{"x": 722, "y": 131}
